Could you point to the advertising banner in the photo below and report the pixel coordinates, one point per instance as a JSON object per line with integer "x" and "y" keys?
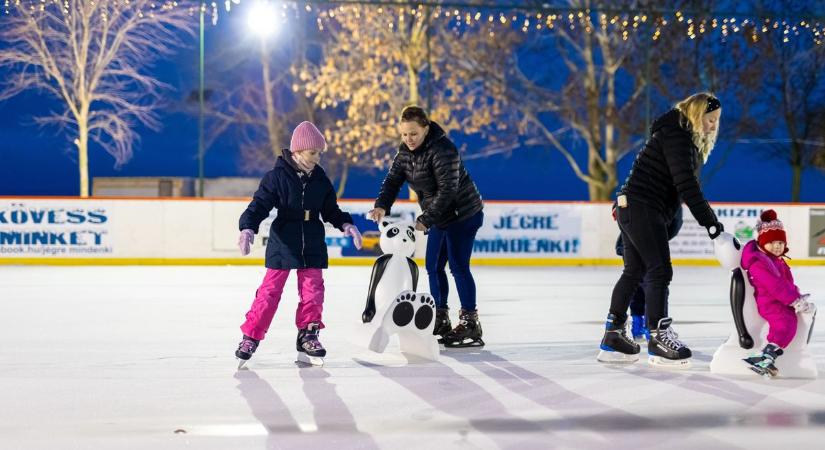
{"x": 205, "y": 231}
{"x": 60, "y": 228}
{"x": 816, "y": 243}
{"x": 530, "y": 230}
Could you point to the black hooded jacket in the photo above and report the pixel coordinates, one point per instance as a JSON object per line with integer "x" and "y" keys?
{"x": 434, "y": 170}
{"x": 666, "y": 171}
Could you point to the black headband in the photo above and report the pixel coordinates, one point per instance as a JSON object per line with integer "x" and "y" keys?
{"x": 713, "y": 104}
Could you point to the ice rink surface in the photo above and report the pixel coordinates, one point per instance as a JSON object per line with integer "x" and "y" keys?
{"x": 143, "y": 358}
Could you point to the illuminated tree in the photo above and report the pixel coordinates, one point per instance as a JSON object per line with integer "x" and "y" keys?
{"x": 377, "y": 60}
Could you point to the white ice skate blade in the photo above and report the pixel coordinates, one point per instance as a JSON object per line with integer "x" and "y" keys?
{"x": 616, "y": 357}
{"x": 241, "y": 363}
{"x": 309, "y": 360}
{"x": 669, "y": 364}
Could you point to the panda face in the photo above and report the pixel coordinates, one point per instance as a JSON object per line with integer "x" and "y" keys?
{"x": 397, "y": 238}
{"x": 392, "y": 232}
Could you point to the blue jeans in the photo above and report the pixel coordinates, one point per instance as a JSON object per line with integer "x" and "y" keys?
{"x": 453, "y": 244}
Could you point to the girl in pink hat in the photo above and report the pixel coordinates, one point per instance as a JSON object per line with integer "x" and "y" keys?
{"x": 299, "y": 189}
{"x": 777, "y": 297}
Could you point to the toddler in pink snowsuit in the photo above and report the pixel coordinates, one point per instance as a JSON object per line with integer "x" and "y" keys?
{"x": 778, "y": 300}
{"x": 300, "y": 191}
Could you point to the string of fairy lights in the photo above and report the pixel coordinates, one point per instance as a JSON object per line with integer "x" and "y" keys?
{"x": 541, "y": 17}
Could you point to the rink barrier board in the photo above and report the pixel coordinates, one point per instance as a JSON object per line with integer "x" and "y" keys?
{"x": 355, "y": 261}
{"x": 195, "y": 231}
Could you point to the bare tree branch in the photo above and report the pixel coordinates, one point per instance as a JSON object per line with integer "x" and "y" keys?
{"x": 92, "y": 56}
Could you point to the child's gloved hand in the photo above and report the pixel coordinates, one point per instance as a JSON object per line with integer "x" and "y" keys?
{"x": 245, "y": 241}
{"x": 352, "y": 231}
{"x": 802, "y": 305}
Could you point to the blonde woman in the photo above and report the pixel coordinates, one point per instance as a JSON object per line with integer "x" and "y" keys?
{"x": 665, "y": 174}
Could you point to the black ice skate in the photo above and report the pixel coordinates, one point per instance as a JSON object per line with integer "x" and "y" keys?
{"x": 442, "y": 324}
{"x": 310, "y": 350}
{"x": 467, "y": 333}
{"x": 763, "y": 364}
{"x": 664, "y": 348}
{"x": 245, "y": 350}
{"x": 616, "y": 346}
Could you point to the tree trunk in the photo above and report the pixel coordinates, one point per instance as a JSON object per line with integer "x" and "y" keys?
{"x": 82, "y": 143}
{"x": 796, "y": 183}
{"x": 343, "y": 184}
{"x": 272, "y": 130}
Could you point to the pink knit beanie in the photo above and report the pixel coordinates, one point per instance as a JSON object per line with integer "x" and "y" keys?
{"x": 307, "y": 137}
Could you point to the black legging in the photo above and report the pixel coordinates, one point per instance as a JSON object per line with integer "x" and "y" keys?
{"x": 646, "y": 256}
{"x": 637, "y": 302}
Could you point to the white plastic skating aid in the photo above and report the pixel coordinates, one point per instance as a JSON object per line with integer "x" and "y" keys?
{"x": 303, "y": 358}
{"x": 750, "y": 330}
{"x": 395, "y": 270}
{"x": 410, "y": 316}
{"x": 614, "y": 357}
{"x": 664, "y": 363}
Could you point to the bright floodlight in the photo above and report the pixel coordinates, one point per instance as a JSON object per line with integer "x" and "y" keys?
{"x": 263, "y": 18}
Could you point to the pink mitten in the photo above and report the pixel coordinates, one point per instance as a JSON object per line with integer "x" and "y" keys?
{"x": 245, "y": 241}
{"x": 352, "y": 231}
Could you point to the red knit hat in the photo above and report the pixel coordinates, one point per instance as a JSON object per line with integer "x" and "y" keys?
{"x": 307, "y": 137}
{"x": 770, "y": 228}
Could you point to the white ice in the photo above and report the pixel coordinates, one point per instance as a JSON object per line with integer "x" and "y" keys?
{"x": 142, "y": 358}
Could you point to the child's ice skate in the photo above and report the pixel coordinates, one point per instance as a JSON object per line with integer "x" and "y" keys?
{"x": 245, "y": 350}
{"x": 638, "y": 328}
{"x": 664, "y": 348}
{"x": 442, "y": 324}
{"x": 467, "y": 333}
{"x": 310, "y": 350}
{"x": 763, "y": 363}
{"x": 616, "y": 346}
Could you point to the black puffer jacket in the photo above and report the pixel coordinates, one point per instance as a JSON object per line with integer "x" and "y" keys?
{"x": 446, "y": 193}
{"x": 297, "y": 236}
{"x": 667, "y": 170}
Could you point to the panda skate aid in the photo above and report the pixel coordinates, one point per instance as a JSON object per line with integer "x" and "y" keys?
{"x": 467, "y": 333}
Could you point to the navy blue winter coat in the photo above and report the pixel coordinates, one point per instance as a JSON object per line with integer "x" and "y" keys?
{"x": 296, "y": 237}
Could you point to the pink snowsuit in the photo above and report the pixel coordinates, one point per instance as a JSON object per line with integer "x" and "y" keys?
{"x": 774, "y": 289}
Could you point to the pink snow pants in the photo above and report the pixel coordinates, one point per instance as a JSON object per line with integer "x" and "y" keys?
{"x": 782, "y": 321}
{"x": 310, "y": 305}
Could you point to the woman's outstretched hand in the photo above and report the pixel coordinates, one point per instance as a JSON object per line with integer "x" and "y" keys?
{"x": 376, "y": 214}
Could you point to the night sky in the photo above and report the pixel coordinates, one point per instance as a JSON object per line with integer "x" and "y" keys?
{"x": 37, "y": 161}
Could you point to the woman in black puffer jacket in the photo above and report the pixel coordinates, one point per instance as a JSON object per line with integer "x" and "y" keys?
{"x": 665, "y": 174}
{"x": 451, "y": 213}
